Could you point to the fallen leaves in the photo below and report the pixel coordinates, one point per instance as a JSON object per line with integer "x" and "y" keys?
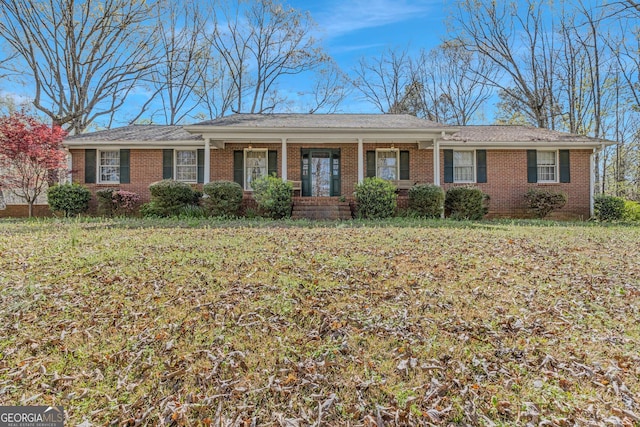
{"x": 322, "y": 326}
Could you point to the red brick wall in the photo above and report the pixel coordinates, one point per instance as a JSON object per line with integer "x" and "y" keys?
{"x": 506, "y": 173}
{"x": 22, "y": 211}
{"x": 146, "y": 168}
{"x": 507, "y": 184}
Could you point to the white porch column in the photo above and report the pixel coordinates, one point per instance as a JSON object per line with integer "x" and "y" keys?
{"x": 207, "y": 160}
{"x": 360, "y": 160}
{"x": 284, "y": 159}
{"x": 592, "y": 180}
{"x": 436, "y": 162}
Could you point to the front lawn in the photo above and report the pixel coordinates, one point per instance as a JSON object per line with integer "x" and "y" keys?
{"x": 231, "y": 323}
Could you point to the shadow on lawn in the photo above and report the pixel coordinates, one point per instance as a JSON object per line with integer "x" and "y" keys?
{"x": 18, "y": 226}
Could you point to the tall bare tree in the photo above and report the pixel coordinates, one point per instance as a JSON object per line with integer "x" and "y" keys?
{"x": 386, "y": 81}
{"x": 83, "y": 57}
{"x": 182, "y": 54}
{"x": 453, "y": 90}
{"x": 513, "y": 36}
{"x": 330, "y": 88}
{"x": 260, "y": 42}
{"x": 215, "y": 89}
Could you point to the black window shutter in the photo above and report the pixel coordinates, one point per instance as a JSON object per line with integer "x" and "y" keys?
{"x": 404, "y": 165}
{"x": 532, "y": 166}
{"x": 125, "y": 169}
{"x": 481, "y": 166}
{"x": 273, "y": 163}
{"x": 90, "y": 166}
{"x": 335, "y": 173}
{"x": 200, "y": 163}
{"x": 167, "y": 163}
{"x": 565, "y": 170}
{"x": 371, "y": 164}
{"x": 448, "y": 165}
{"x": 238, "y": 167}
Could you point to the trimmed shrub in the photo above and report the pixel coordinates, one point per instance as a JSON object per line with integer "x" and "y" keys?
{"x": 375, "y": 198}
{"x": 224, "y": 198}
{"x": 106, "y": 205}
{"x": 72, "y": 199}
{"x": 273, "y": 196}
{"x": 151, "y": 209}
{"x": 608, "y": 208}
{"x": 631, "y": 210}
{"x": 542, "y": 202}
{"x": 125, "y": 202}
{"x": 466, "y": 203}
{"x": 168, "y": 197}
{"x": 426, "y": 200}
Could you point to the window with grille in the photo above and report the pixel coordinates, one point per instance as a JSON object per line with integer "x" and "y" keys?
{"x": 109, "y": 166}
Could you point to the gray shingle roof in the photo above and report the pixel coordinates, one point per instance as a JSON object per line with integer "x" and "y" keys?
{"x": 138, "y": 133}
{"x": 324, "y": 121}
{"x": 508, "y": 133}
{"x": 487, "y": 133}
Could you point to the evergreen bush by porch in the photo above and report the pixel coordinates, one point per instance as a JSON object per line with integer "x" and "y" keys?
{"x": 224, "y": 198}
{"x": 72, "y": 199}
{"x": 466, "y": 203}
{"x": 375, "y": 198}
{"x": 542, "y": 202}
{"x": 106, "y": 206}
{"x": 169, "y": 197}
{"x": 273, "y": 196}
{"x": 426, "y": 200}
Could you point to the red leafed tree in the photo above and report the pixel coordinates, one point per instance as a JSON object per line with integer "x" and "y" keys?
{"x": 30, "y": 152}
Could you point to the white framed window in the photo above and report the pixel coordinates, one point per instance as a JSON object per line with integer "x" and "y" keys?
{"x": 186, "y": 165}
{"x": 464, "y": 166}
{"x": 547, "y": 163}
{"x": 388, "y": 163}
{"x": 256, "y": 163}
{"x": 109, "y": 167}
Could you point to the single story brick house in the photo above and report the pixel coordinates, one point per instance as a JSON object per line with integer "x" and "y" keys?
{"x": 325, "y": 156}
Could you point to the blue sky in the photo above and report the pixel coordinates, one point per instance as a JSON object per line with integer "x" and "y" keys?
{"x": 349, "y": 30}
{"x": 352, "y": 29}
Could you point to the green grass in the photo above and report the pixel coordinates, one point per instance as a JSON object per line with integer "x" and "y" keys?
{"x": 211, "y": 322}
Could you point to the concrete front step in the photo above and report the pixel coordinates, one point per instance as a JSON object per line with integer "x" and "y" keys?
{"x": 321, "y": 210}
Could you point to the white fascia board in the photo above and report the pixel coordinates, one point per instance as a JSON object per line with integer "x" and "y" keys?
{"x": 576, "y": 145}
{"x": 131, "y": 144}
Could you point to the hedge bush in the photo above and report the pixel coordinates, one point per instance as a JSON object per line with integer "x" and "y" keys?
{"x": 106, "y": 205}
{"x": 542, "y": 202}
{"x": 72, "y": 199}
{"x": 126, "y": 202}
{"x": 426, "y": 200}
{"x": 224, "y": 198}
{"x": 631, "y": 210}
{"x": 168, "y": 197}
{"x": 466, "y": 203}
{"x": 608, "y": 208}
{"x": 375, "y": 198}
{"x": 273, "y": 196}
{"x": 151, "y": 209}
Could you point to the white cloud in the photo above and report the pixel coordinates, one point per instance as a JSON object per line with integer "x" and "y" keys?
{"x": 347, "y": 16}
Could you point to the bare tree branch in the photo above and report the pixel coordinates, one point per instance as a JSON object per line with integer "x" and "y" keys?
{"x": 261, "y": 42}
{"x": 382, "y": 80}
{"x": 512, "y": 36}
{"x": 84, "y": 58}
